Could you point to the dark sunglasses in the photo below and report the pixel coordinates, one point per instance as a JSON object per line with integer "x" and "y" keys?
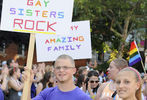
{"x": 94, "y": 81}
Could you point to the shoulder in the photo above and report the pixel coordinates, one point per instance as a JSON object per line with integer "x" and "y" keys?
{"x": 1, "y": 94}
{"x": 43, "y": 94}
{"x": 82, "y": 95}
{"x": 40, "y": 85}
{"x": 48, "y": 90}
{"x": 11, "y": 81}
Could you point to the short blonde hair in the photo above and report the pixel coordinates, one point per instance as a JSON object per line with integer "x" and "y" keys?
{"x": 120, "y": 63}
{"x": 64, "y": 56}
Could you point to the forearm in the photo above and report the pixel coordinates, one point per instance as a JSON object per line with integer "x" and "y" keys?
{"x": 145, "y": 90}
{"x": 4, "y": 84}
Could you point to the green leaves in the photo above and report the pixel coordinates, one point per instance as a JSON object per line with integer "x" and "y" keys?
{"x": 134, "y": 0}
{"x": 107, "y": 14}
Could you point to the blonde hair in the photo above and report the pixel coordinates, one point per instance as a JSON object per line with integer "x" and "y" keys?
{"x": 120, "y": 63}
{"x": 64, "y": 56}
{"x": 48, "y": 68}
{"x": 138, "y": 79}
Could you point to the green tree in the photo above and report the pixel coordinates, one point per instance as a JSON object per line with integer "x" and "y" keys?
{"x": 111, "y": 20}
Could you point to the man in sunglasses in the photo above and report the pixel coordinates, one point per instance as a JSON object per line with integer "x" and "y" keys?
{"x": 64, "y": 68}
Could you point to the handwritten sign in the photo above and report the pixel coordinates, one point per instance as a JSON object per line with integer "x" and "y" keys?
{"x": 76, "y": 44}
{"x": 37, "y": 16}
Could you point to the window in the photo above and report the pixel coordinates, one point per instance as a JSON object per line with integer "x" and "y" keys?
{"x": 21, "y": 49}
{"x": 2, "y": 47}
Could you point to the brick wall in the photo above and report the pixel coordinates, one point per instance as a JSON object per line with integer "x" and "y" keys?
{"x": 11, "y": 51}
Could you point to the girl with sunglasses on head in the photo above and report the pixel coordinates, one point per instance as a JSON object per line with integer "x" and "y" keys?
{"x": 91, "y": 84}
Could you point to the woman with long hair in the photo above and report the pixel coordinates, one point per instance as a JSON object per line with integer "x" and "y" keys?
{"x": 80, "y": 81}
{"x": 15, "y": 86}
{"x": 46, "y": 82}
{"x": 91, "y": 83}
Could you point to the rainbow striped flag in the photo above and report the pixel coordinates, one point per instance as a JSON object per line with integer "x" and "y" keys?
{"x": 134, "y": 54}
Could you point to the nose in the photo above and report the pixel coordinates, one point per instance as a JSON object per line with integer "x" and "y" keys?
{"x": 121, "y": 85}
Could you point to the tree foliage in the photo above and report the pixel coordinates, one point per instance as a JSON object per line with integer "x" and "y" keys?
{"x": 111, "y": 20}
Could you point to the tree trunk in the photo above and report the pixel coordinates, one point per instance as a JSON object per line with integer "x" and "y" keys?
{"x": 124, "y": 36}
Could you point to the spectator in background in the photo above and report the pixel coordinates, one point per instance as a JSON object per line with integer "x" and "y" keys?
{"x": 49, "y": 68}
{"x": 128, "y": 84}
{"x": 101, "y": 76}
{"x": 80, "y": 81}
{"x": 82, "y": 70}
{"x": 34, "y": 84}
{"x": 4, "y": 77}
{"x": 108, "y": 90}
{"x": 46, "y": 82}
{"x": 91, "y": 64}
{"x": 10, "y": 63}
{"x": 15, "y": 91}
{"x": 4, "y": 64}
{"x": 41, "y": 71}
{"x": 91, "y": 84}
{"x": 4, "y": 82}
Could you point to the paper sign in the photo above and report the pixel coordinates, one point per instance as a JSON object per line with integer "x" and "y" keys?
{"x": 77, "y": 44}
{"x": 37, "y": 16}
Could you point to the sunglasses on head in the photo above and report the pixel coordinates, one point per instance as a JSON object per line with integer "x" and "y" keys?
{"x": 94, "y": 81}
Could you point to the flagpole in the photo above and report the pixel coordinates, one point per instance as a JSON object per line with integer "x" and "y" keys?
{"x": 143, "y": 66}
{"x": 140, "y": 57}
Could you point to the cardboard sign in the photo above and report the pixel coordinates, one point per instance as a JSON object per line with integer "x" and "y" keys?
{"x": 77, "y": 44}
{"x": 37, "y": 16}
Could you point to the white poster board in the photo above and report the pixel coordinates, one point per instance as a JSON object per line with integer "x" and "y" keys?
{"x": 37, "y": 16}
{"x": 77, "y": 44}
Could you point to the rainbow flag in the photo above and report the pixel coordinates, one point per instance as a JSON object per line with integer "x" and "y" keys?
{"x": 134, "y": 54}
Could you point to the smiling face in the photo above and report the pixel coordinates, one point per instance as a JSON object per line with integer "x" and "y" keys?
{"x": 64, "y": 70}
{"x": 112, "y": 71}
{"x": 126, "y": 84}
{"x": 93, "y": 81}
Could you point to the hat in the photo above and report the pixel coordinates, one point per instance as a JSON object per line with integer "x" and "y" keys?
{"x": 4, "y": 63}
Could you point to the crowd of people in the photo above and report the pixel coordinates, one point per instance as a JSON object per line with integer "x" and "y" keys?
{"x": 63, "y": 81}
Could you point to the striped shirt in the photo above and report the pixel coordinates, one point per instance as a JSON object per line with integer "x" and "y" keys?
{"x": 108, "y": 93}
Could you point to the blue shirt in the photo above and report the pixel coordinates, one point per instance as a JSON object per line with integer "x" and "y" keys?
{"x": 1, "y": 95}
{"x": 55, "y": 94}
{"x": 33, "y": 90}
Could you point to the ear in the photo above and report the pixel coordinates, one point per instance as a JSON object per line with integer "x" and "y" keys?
{"x": 138, "y": 85}
{"x": 74, "y": 70}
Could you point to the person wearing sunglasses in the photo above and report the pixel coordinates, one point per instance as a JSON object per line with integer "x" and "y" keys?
{"x": 91, "y": 84}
